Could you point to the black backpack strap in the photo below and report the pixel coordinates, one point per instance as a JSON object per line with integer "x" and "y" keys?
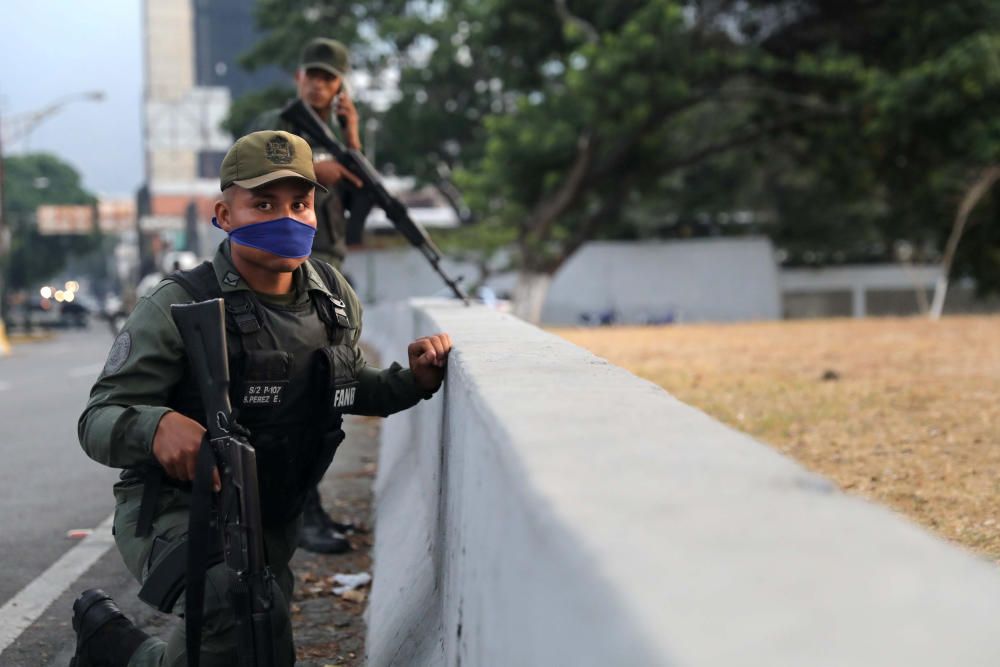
{"x": 241, "y": 311}
{"x": 199, "y": 541}
{"x": 241, "y": 308}
{"x": 151, "y": 484}
{"x": 200, "y": 282}
{"x": 331, "y": 308}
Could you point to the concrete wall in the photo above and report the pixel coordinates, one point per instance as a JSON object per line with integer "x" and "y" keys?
{"x": 807, "y": 291}
{"x": 874, "y": 290}
{"x": 687, "y": 281}
{"x": 549, "y": 508}
{"x": 394, "y": 275}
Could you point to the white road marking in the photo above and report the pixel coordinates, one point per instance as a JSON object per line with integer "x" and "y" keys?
{"x": 31, "y": 602}
{"x": 86, "y": 371}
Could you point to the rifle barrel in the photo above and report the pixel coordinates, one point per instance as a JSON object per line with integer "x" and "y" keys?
{"x": 301, "y": 115}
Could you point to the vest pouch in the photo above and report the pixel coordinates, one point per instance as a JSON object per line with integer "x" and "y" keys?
{"x": 328, "y": 445}
{"x": 277, "y": 468}
{"x": 337, "y": 363}
{"x": 294, "y": 465}
{"x": 263, "y": 381}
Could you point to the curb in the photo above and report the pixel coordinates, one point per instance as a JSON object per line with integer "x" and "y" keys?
{"x": 21, "y": 338}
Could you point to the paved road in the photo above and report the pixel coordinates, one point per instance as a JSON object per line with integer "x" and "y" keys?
{"x": 47, "y": 484}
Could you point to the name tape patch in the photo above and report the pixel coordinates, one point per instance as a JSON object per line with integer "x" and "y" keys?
{"x": 263, "y": 394}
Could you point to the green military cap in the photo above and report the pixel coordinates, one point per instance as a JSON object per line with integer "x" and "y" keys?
{"x": 262, "y": 157}
{"x": 325, "y": 54}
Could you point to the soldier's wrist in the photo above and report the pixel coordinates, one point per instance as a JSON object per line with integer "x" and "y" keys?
{"x": 149, "y": 422}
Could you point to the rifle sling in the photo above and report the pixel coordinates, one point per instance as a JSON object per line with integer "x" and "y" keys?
{"x": 199, "y": 539}
{"x": 151, "y": 484}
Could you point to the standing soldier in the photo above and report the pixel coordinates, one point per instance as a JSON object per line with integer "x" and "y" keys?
{"x": 320, "y": 83}
{"x": 285, "y": 313}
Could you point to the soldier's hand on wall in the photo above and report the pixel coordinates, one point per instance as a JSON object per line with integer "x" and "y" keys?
{"x": 428, "y": 359}
{"x": 330, "y": 172}
{"x": 175, "y": 446}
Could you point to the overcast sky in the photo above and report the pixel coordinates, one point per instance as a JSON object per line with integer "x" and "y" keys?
{"x": 53, "y": 48}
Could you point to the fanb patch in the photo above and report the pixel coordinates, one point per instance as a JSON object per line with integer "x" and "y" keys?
{"x": 231, "y": 279}
{"x": 120, "y": 351}
{"x": 279, "y": 151}
{"x": 344, "y": 395}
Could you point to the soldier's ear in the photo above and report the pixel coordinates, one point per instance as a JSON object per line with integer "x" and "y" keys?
{"x": 223, "y": 215}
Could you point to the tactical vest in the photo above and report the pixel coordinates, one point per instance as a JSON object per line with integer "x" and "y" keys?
{"x": 292, "y": 378}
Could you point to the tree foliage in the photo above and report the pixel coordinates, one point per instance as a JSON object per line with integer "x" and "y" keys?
{"x": 246, "y": 108}
{"x": 843, "y": 129}
{"x": 29, "y": 182}
{"x": 916, "y": 88}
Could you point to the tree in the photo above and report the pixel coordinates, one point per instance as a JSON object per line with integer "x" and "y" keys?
{"x": 246, "y": 108}
{"x": 837, "y": 127}
{"x": 627, "y": 97}
{"x": 30, "y": 181}
{"x": 919, "y": 87}
{"x": 415, "y": 140}
{"x": 975, "y": 193}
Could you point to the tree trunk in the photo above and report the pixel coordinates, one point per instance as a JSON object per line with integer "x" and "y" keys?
{"x": 529, "y": 295}
{"x": 972, "y": 196}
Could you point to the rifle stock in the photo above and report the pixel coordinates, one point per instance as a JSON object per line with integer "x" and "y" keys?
{"x": 302, "y": 116}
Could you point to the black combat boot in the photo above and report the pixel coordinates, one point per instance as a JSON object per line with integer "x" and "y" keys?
{"x": 104, "y": 637}
{"x": 321, "y": 534}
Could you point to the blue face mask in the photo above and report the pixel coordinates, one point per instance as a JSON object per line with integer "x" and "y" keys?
{"x": 284, "y": 237}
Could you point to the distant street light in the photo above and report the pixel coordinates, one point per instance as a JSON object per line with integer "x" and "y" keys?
{"x": 18, "y": 127}
{"x": 14, "y": 129}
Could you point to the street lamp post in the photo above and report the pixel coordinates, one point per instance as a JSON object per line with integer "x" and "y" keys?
{"x": 20, "y": 126}
{"x": 17, "y": 128}
{"x": 4, "y": 244}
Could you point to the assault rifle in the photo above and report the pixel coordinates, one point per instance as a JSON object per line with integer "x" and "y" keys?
{"x": 301, "y": 115}
{"x": 202, "y": 327}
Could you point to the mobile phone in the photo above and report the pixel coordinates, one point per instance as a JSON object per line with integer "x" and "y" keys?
{"x": 341, "y": 119}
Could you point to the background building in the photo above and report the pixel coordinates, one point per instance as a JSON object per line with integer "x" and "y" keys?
{"x": 191, "y": 73}
{"x": 223, "y": 31}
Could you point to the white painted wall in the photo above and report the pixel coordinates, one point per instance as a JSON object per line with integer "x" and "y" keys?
{"x": 692, "y": 280}
{"x": 858, "y": 280}
{"x": 394, "y": 275}
{"x": 877, "y": 276}
{"x": 549, "y": 508}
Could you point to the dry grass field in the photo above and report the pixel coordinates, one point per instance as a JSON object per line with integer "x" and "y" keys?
{"x": 903, "y": 411}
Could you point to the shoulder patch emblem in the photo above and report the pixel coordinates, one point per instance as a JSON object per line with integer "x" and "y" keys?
{"x": 279, "y": 151}
{"x": 119, "y": 354}
{"x": 231, "y": 279}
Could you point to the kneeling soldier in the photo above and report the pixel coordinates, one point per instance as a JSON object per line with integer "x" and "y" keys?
{"x": 292, "y": 329}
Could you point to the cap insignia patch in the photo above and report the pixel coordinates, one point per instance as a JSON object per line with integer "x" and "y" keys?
{"x": 279, "y": 151}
